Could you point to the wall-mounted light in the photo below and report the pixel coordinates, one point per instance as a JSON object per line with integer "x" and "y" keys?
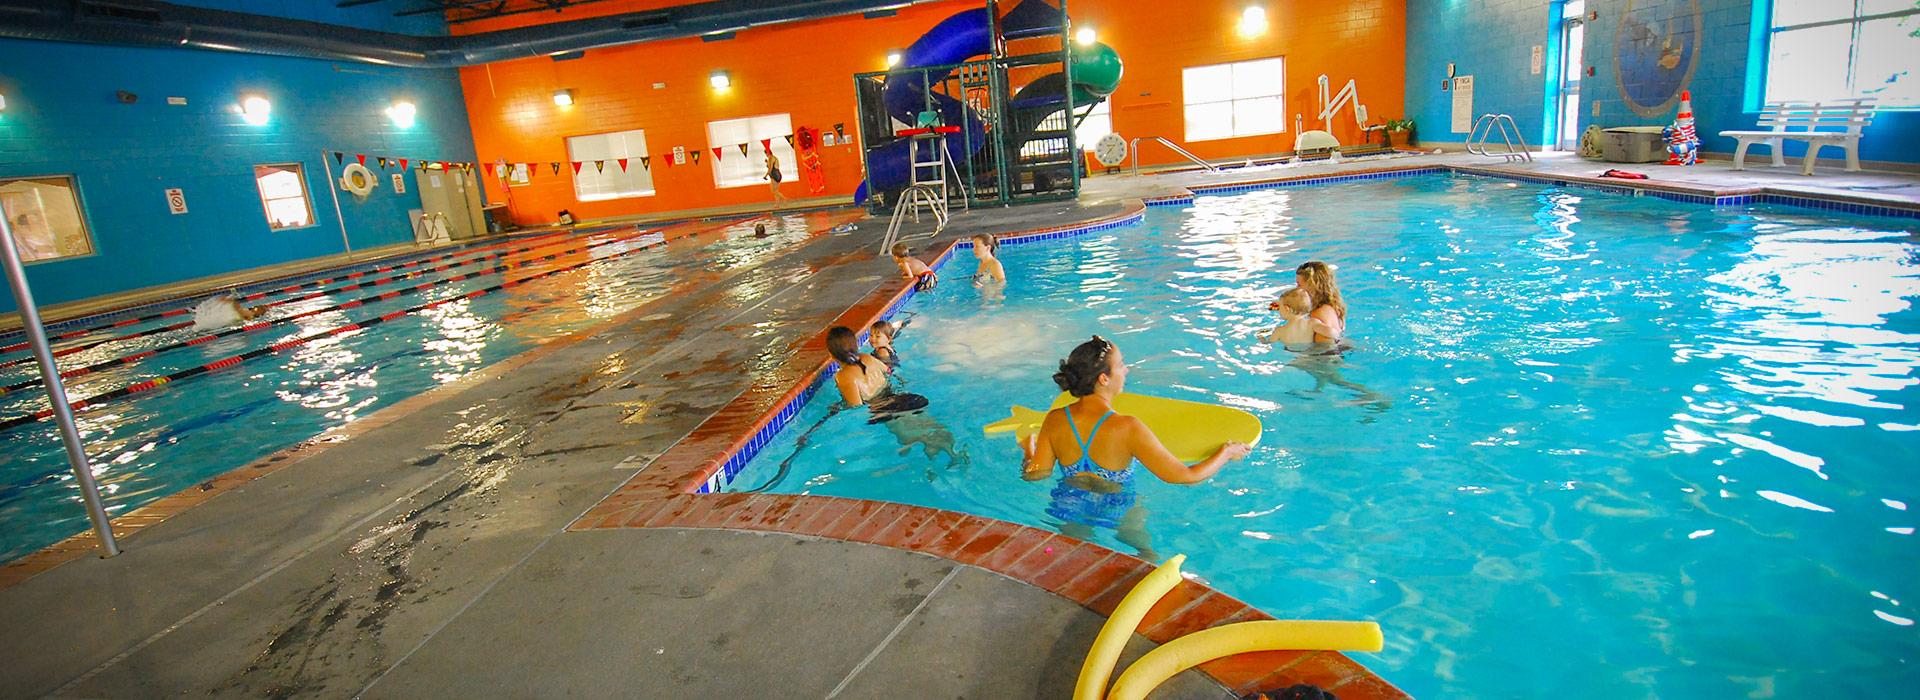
{"x": 402, "y": 113}
{"x": 563, "y": 98}
{"x": 720, "y": 80}
{"x": 1253, "y": 21}
{"x": 893, "y": 57}
{"x": 255, "y": 110}
{"x": 1084, "y": 36}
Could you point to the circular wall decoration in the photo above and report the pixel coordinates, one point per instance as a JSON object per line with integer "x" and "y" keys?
{"x": 1656, "y": 48}
{"x": 1110, "y": 150}
{"x": 356, "y": 178}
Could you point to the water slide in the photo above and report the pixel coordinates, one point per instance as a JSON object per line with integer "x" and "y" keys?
{"x": 960, "y": 38}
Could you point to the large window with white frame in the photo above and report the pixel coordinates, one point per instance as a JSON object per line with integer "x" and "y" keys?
{"x": 1098, "y": 123}
{"x": 44, "y": 213}
{"x": 1228, "y": 100}
{"x": 1827, "y": 49}
{"x": 283, "y": 195}
{"x": 736, "y": 169}
{"x": 601, "y": 176}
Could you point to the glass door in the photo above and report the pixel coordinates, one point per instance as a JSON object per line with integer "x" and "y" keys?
{"x": 1573, "y": 31}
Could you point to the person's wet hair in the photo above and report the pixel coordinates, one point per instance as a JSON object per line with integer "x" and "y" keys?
{"x": 1317, "y": 277}
{"x": 900, "y": 250}
{"x": 843, "y": 345}
{"x": 1080, "y": 373}
{"x": 881, "y": 328}
{"x": 989, "y": 241}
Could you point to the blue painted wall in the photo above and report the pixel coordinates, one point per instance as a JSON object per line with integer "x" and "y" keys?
{"x": 61, "y": 118}
{"x": 1492, "y": 40}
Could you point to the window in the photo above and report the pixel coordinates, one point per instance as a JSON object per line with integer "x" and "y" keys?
{"x": 283, "y": 191}
{"x": 601, "y": 176}
{"x": 734, "y": 169}
{"x": 1235, "y": 99}
{"x": 1828, "y": 49}
{"x": 1098, "y": 123}
{"x": 45, "y": 215}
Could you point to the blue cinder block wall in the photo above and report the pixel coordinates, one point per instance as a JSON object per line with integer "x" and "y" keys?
{"x": 62, "y": 118}
{"x": 1492, "y": 40}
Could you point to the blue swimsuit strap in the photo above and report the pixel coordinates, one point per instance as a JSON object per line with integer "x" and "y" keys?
{"x": 1086, "y": 446}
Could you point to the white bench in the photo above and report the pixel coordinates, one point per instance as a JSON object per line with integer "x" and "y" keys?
{"x": 1826, "y": 123}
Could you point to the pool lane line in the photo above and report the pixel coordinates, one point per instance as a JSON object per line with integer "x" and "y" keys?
{"x": 78, "y": 332}
{"x": 376, "y": 282}
{"x": 256, "y": 353}
{"x": 264, "y": 325}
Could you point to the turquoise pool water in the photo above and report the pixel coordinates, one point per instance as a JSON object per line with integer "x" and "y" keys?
{"x": 162, "y": 441}
{"x": 1590, "y": 445}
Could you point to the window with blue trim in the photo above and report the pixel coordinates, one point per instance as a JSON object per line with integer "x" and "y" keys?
{"x": 1829, "y": 49}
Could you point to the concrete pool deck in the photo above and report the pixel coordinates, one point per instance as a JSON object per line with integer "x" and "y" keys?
{"x": 530, "y": 530}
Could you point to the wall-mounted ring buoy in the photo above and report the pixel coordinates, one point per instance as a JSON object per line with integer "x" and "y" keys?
{"x": 356, "y": 178}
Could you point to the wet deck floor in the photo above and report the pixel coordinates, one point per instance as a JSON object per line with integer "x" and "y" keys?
{"x": 428, "y": 554}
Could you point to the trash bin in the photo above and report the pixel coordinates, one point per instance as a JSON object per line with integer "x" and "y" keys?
{"x": 1633, "y": 144}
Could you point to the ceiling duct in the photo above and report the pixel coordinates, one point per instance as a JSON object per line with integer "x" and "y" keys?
{"x": 161, "y": 24}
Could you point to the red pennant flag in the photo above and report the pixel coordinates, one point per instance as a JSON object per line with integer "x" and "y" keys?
{"x": 667, "y": 159}
{"x": 362, "y": 157}
{"x": 766, "y": 145}
{"x": 403, "y": 164}
{"x": 599, "y": 166}
{"x": 716, "y": 153}
{"x": 743, "y": 149}
{"x": 644, "y": 165}
{"x": 623, "y": 165}
{"x": 576, "y": 167}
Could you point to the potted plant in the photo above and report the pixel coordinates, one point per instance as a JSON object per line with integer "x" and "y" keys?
{"x": 1399, "y": 132}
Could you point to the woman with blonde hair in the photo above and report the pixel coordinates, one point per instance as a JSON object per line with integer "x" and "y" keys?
{"x": 1329, "y": 315}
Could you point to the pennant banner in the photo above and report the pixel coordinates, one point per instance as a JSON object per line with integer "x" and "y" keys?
{"x": 339, "y": 158}
{"x": 623, "y": 165}
{"x": 766, "y": 145}
{"x": 789, "y": 140}
{"x": 696, "y": 155}
{"x": 644, "y": 165}
{"x": 716, "y": 153}
{"x": 599, "y": 166}
{"x": 743, "y": 149}
{"x": 576, "y": 167}
{"x": 556, "y": 167}
{"x": 362, "y": 157}
{"x": 403, "y": 164}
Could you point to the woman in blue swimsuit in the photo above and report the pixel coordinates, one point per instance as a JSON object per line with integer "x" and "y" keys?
{"x": 1097, "y": 463}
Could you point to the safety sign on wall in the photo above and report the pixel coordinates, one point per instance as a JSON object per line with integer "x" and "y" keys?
{"x": 176, "y": 201}
{"x": 399, "y": 184}
{"x": 1462, "y": 104}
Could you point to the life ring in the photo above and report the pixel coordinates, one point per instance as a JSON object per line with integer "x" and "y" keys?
{"x": 356, "y": 178}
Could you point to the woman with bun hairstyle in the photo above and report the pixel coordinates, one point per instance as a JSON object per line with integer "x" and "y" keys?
{"x": 1097, "y": 450}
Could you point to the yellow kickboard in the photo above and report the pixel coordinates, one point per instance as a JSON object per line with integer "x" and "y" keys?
{"x": 1192, "y": 431}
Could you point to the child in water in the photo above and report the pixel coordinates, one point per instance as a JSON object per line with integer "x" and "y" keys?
{"x": 880, "y": 336}
{"x": 1294, "y": 307}
{"x": 912, "y": 268}
{"x": 987, "y": 249}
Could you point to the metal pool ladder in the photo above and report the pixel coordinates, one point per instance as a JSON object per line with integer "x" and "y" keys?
{"x": 1483, "y": 130}
{"x": 911, "y": 200}
{"x": 1134, "y": 148}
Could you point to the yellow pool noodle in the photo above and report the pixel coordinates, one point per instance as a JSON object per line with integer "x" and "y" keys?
{"x": 1238, "y": 638}
{"x": 1113, "y": 636}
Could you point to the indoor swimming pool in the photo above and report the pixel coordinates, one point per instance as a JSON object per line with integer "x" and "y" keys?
{"x": 1587, "y": 445}
{"x": 447, "y": 314}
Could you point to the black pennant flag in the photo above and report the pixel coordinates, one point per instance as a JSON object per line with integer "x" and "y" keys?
{"x": 339, "y": 157}
{"x": 644, "y": 165}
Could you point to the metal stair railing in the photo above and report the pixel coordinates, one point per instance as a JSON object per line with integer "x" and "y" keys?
{"x": 1134, "y": 148}
{"x": 1482, "y": 133}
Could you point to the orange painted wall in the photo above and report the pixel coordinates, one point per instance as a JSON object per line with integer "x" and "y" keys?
{"x": 806, "y": 70}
